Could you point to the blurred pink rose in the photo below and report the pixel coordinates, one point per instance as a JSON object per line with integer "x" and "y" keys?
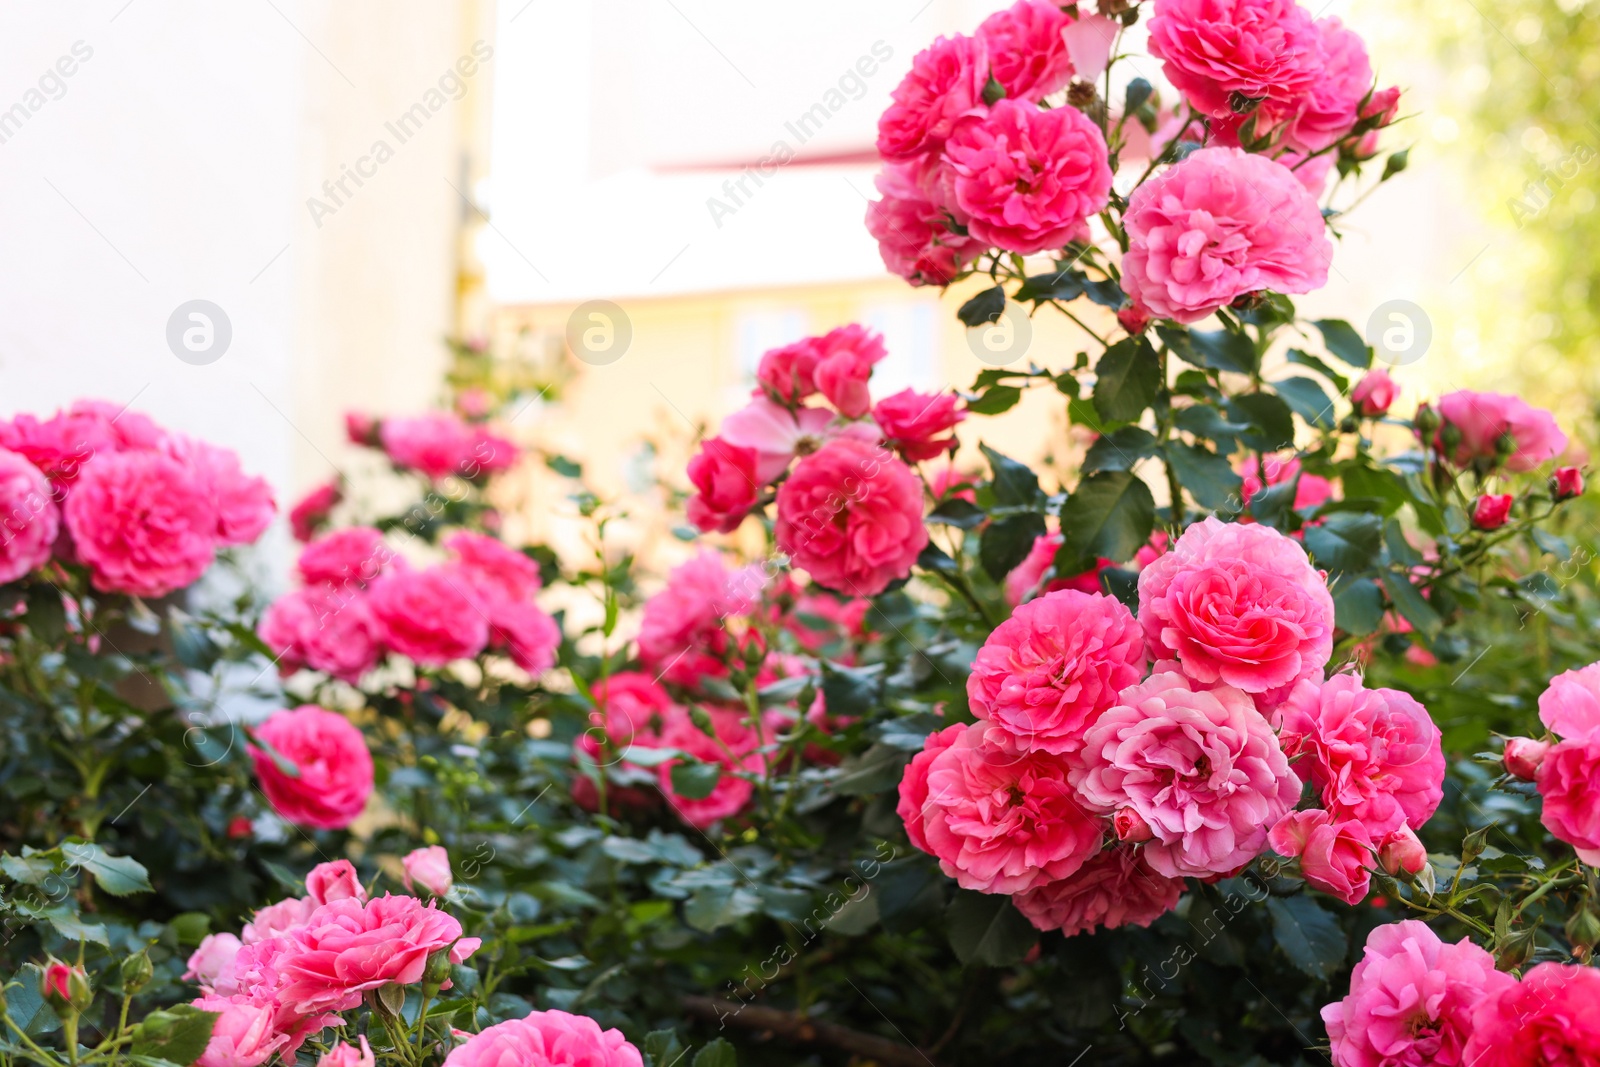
{"x": 243, "y": 1036}
{"x": 361, "y": 429}
{"x": 335, "y": 880}
{"x": 353, "y": 556}
{"x": 1336, "y": 855}
{"x": 1214, "y": 50}
{"x": 429, "y": 616}
{"x": 912, "y": 230}
{"x": 1547, "y": 1018}
{"x": 1566, "y": 483}
{"x": 1491, "y": 511}
{"x": 60, "y": 445}
{"x": 334, "y": 768}
{"x": 244, "y": 504}
{"x": 726, "y": 488}
{"x": 434, "y": 445}
{"x": 912, "y": 422}
{"x": 1024, "y": 579}
{"x": 1484, "y": 419}
{"x": 313, "y": 509}
{"x": 1027, "y": 49}
{"x": 144, "y": 522}
{"x": 1312, "y": 490}
{"x": 493, "y": 569}
{"x": 945, "y": 83}
{"x": 546, "y": 1039}
{"x": 1375, "y": 393}
{"x": 526, "y": 633}
{"x": 683, "y": 634}
{"x": 29, "y": 519}
{"x": 345, "y": 1054}
{"x": 731, "y": 795}
{"x": 325, "y": 629}
{"x": 430, "y": 868}
{"x": 1115, "y": 888}
{"x": 631, "y": 707}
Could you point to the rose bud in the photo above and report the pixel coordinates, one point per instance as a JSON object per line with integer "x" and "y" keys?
{"x": 1401, "y": 851}
{"x": 1491, "y": 511}
{"x": 1375, "y": 393}
{"x": 65, "y": 987}
{"x": 1566, "y": 483}
{"x": 430, "y": 868}
{"x": 1134, "y": 319}
{"x": 1130, "y": 826}
{"x": 1523, "y": 756}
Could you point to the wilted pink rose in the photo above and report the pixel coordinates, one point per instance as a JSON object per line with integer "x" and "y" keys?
{"x": 278, "y": 919}
{"x": 334, "y": 769}
{"x": 1025, "y": 179}
{"x": 429, "y": 616}
{"x": 724, "y": 478}
{"x": 546, "y": 1039}
{"x": 1027, "y": 49}
{"x": 945, "y": 84}
{"x": 1217, "y": 50}
{"x": 998, "y": 823}
{"x": 912, "y": 422}
{"x": 430, "y": 868}
{"x": 311, "y": 513}
{"x": 345, "y": 1054}
{"x": 347, "y": 947}
{"x": 1411, "y": 1000}
{"x": 1202, "y": 767}
{"x": 1311, "y": 490}
{"x": 493, "y": 569}
{"x": 1484, "y": 420}
{"x": 1548, "y": 1018}
{"x": 529, "y": 636}
{"x": 1218, "y": 225}
{"x": 1047, "y": 673}
{"x": 1239, "y": 604}
{"x": 778, "y": 434}
{"x": 1115, "y": 888}
{"x": 1336, "y": 855}
{"x": 731, "y": 795}
{"x": 1523, "y": 756}
{"x": 1569, "y": 781}
{"x": 683, "y": 634}
{"x": 1570, "y": 704}
{"x": 143, "y": 522}
{"x": 243, "y": 1036}
{"x": 1375, "y": 393}
{"x": 29, "y": 519}
{"x": 851, "y": 515}
{"x": 912, "y": 230}
{"x": 324, "y": 629}
{"x": 353, "y": 556}
{"x": 1372, "y": 754}
{"x": 1491, "y": 511}
{"x": 335, "y": 880}
{"x": 1401, "y": 850}
{"x": 211, "y": 963}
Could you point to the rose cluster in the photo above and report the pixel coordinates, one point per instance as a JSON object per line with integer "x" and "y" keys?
{"x": 360, "y": 600}
{"x": 1088, "y": 789}
{"x": 849, "y": 511}
{"x": 1565, "y": 767}
{"x": 436, "y": 445}
{"x": 143, "y": 509}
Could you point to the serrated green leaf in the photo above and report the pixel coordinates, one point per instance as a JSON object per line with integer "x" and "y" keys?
{"x": 1308, "y": 935}
{"x": 1119, "y": 450}
{"x": 1206, "y": 475}
{"x": 1343, "y": 341}
{"x": 1308, "y": 400}
{"x": 178, "y": 1034}
{"x": 1110, "y": 514}
{"x": 1007, "y": 542}
{"x": 1127, "y": 379}
{"x": 986, "y": 928}
{"x": 985, "y": 307}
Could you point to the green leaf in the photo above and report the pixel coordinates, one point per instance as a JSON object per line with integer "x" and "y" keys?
{"x": 1014, "y": 484}
{"x": 1203, "y": 420}
{"x": 1138, "y": 92}
{"x": 1376, "y": 484}
{"x": 1206, "y": 475}
{"x": 1346, "y": 542}
{"x": 1308, "y": 935}
{"x": 1270, "y": 418}
{"x": 787, "y": 905}
{"x": 717, "y": 906}
{"x": 1063, "y": 285}
{"x": 986, "y": 928}
{"x": 985, "y": 307}
{"x": 118, "y": 875}
{"x": 663, "y": 1048}
{"x": 1119, "y": 450}
{"x": 178, "y": 1034}
{"x": 1308, "y": 400}
{"x": 1111, "y": 514}
{"x": 1411, "y": 604}
{"x": 1306, "y": 359}
{"x": 1212, "y": 349}
{"x": 1274, "y": 505}
{"x": 1008, "y": 541}
{"x": 1106, "y": 293}
{"x": 717, "y": 1053}
{"x": 962, "y": 514}
{"x": 997, "y": 399}
{"x": 852, "y": 690}
{"x": 1357, "y": 606}
{"x": 695, "y": 781}
{"x": 1343, "y": 341}
{"x": 1127, "y": 379}
{"x": 876, "y": 770}
{"x": 934, "y": 558}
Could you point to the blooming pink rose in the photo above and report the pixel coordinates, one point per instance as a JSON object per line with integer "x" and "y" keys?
{"x": 353, "y": 556}
{"x": 1523, "y": 756}
{"x": 244, "y": 505}
{"x": 683, "y": 634}
{"x": 430, "y": 868}
{"x": 778, "y": 434}
{"x": 1569, "y": 780}
{"x": 345, "y": 1054}
{"x": 1114, "y": 888}
{"x": 945, "y": 83}
{"x": 998, "y": 823}
{"x": 278, "y": 919}
{"x": 334, "y": 768}
{"x": 1214, "y": 50}
{"x": 143, "y": 522}
{"x": 488, "y": 453}
{"x": 726, "y": 488}
{"x": 1311, "y": 491}
{"x": 29, "y": 519}
{"x": 325, "y": 629}
{"x": 1411, "y": 1000}
{"x": 429, "y": 616}
{"x": 851, "y": 515}
{"x": 1027, "y": 49}
{"x": 527, "y": 634}
{"x": 494, "y": 570}
{"x": 311, "y": 513}
{"x": 1548, "y": 1018}
{"x": 258, "y": 982}
{"x": 1336, "y": 856}
{"x": 1332, "y": 106}
{"x": 1047, "y": 673}
{"x": 335, "y": 880}
{"x": 243, "y": 1036}
{"x": 1570, "y": 704}
{"x": 1025, "y": 179}
{"x": 546, "y": 1039}
{"x": 1024, "y": 579}
{"x": 731, "y": 795}
{"x": 211, "y": 964}
{"x": 848, "y": 354}
{"x": 347, "y": 947}
{"x": 631, "y": 707}
{"x": 61, "y": 445}
{"x": 1372, "y": 754}
{"x": 434, "y": 445}
{"x": 1202, "y": 767}
{"x": 1240, "y": 604}
{"x": 912, "y": 422}
{"x": 1375, "y": 393}
{"x": 912, "y": 230}
{"x": 1491, "y": 511}
{"x": 1483, "y": 419}
{"x": 1218, "y": 225}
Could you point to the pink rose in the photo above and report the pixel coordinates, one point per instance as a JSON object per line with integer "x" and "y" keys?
{"x": 1570, "y": 704}
{"x": 143, "y": 522}
{"x": 731, "y": 795}
{"x": 1046, "y": 674}
{"x": 1115, "y": 888}
{"x": 311, "y": 513}
{"x": 335, "y": 880}
{"x": 1523, "y": 756}
{"x": 278, "y": 919}
{"x": 430, "y": 868}
{"x": 1566, "y": 483}
{"x": 1201, "y": 767}
{"x": 1491, "y": 511}
{"x": 1215, "y": 50}
{"x": 1027, "y": 49}
{"x": 778, "y": 434}
{"x": 243, "y": 504}
{"x": 492, "y": 568}
{"x": 61, "y": 445}
{"x": 822, "y": 619}
{"x": 361, "y": 429}
{"x": 29, "y": 519}
{"x": 912, "y": 230}
{"x": 847, "y": 358}
{"x": 997, "y": 823}
{"x": 1332, "y": 106}
{"x": 682, "y": 635}
{"x": 724, "y": 478}
{"x": 1375, "y": 393}
{"x": 1372, "y": 754}
{"x": 1569, "y": 780}
{"x": 1025, "y": 179}
{"x": 546, "y": 1039}
{"x": 325, "y": 629}
{"x": 334, "y": 768}
{"x": 347, "y": 947}
{"x": 1484, "y": 420}
{"x": 631, "y": 707}
{"x": 851, "y": 515}
{"x": 526, "y": 633}
{"x": 1240, "y": 604}
{"x": 434, "y": 445}
{"x": 945, "y": 83}
{"x": 912, "y": 422}
{"x": 345, "y": 1054}
{"x": 1402, "y": 850}
{"x": 488, "y": 453}
{"x": 429, "y": 616}
{"x": 353, "y": 556}
{"x": 211, "y": 964}
{"x": 1411, "y": 1000}
{"x": 1336, "y": 856}
{"x": 243, "y": 1036}
{"x": 1548, "y": 1018}
{"x": 1024, "y": 579}
{"x": 1216, "y": 226}
{"x": 1311, "y": 491}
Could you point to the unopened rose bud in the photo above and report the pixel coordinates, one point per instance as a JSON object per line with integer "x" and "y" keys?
{"x": 1401, "y": 851}
{"x": 1449, "y": 438}
{"x": 1583, "y": 929}
{"x": 429, "y": 868}
{"x": 65, "y": 987}
{"x": 1426, "y": 421}
{"x": 1505, "y": 444}
{"x": 1566, "y": 483}
{"x": 1131, "y": 826}
{"x": 1133, "y": 318}
{"x": 136, "y": 972}
{"x": 1523, "y": 756}
{"x": 1375, "y": 393}
{"x": 1491, "y": 511}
